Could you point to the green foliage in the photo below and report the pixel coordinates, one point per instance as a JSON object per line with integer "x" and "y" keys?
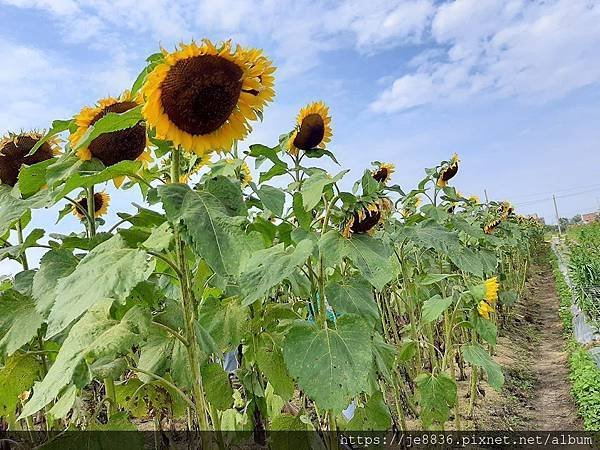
{"x": 19, "y": 321}
{"x": 17, "y": 376}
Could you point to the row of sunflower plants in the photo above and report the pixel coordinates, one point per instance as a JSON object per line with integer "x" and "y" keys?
{"x": 227, "y": 303}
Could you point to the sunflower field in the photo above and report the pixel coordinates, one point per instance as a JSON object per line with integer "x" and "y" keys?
{"x": 281, "y": 301}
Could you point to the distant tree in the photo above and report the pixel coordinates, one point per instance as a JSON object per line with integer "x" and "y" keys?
{"x": 564, "y": 222}
{"x": 576, "y": 219}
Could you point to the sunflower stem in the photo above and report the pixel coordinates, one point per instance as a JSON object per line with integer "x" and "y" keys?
{"x": 91, "y": 211}
{"x": 201, "y": 409}
{"x": 24, "y": 262}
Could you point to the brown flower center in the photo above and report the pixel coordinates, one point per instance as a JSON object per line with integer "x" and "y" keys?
{"x": 13, "y": 155}
{"x": 449, "y": 172}
{"x": 98, "y": 202}
{"x": 200, "y": 93}
{"x": 370, "y": 219}
{"x": 381, "y": 175}
{"x": 311, "y": 133}
{"x": 117, "y": 146}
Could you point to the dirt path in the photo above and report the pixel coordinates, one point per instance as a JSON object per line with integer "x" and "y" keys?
{"x": 553, "y": 407}
{"x": 536, "y": 395}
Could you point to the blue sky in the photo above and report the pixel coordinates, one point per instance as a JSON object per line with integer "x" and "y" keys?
{"x": 513, "y": 86}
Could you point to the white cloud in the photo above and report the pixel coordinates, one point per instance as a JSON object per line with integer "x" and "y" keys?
{"x": 536, "y": 51}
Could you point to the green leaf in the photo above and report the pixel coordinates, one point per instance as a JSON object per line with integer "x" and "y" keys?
{"x": 433, "y": 278}
{"x": 215, "y": 234}
{"x": 12, "y": 208}
{"x": 374, "y": 416}
{"x": 371, "y": 256}
{"x": 109, "y": 123}
{"x": 486, "y": 329}
{"x": 64, "y": 404}
{"x": 33, "y": 177}
{"x": 312, "y": 188}
{"x": 271, "y": 266}
{"x": 160, "y": 239}
{"x": 84, "y": 174}
{"x": 407, "y": 350}
{"x": 225, "y": 320}
{"x": 229, "y": 193}
{"x": 331, "y": 365}
{"x": 434, "y": 307}
{"x": 111, "y": 268}
{"x": 17, "y": 376}
{"x": 54, "y": 265}
{"x": 269, "y": 359}
{"x": 94, "y": 336}
{"x": 58, "y": 126}
{"x": 217, "y": 386}
{"x": 272, "y": 198}
{"x": 19, "y": 321}
{"x": 353, "y": 295}
{"x": 437, "y": 394}
{"x": 476, "y": 355}
{"x": 304, "y": 217}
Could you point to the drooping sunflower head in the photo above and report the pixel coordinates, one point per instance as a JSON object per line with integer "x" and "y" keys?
{"x": 491, "y": 226}
{"x": 14, "y": 149}
{"x": 101, "y": 201}
{"x": 383, "y": 173}
{"x": 116, "y": 146}
{"x": 491, "y": 290}
{"x": 366, "y": 218}
{"x": 313, "y": 128}
{"x": 448, "y": 171}
{"x": 484, "y": 309}
{"x": 506, "y": 209}
{"x": 202, "y": 97}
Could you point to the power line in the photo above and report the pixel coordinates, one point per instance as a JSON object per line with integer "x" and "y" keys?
{"x": 556, "y": 191}
{"x": 573, "y": 194}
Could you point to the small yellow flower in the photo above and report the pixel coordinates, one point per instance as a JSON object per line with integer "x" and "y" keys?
{"x": 491, "y": 290}
{"x": 245, "y": 175}
{"x": 474, "y": 198}
{"x": 101, "y": 202}
{"x": 484, "y": 309}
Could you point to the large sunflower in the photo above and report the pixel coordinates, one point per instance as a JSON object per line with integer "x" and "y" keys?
{"x": 101, "y": 201}
{"x": 383, "y": 173}
{"x": 116, "y": 146}
{"x": 448, "y": 171}
{"x": 13, "y": 154}
{"x": 202, "y": 97}
{"x": 313, "y": 128}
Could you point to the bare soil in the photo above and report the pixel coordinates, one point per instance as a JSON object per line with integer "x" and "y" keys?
{"x": 536, "y": 395}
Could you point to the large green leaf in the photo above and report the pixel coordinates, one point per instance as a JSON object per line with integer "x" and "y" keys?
{"x": 271, "y": 266}
{"x": 94, "y": 336}
{"x": 19, "y": 321}
{"x": 215, "y": 234}
{"x": 331, "y": 365}
{"x": 109, "y": 123}
{"x": 217, "y": 386}
{"x": 269, "y": 359}
{"x": 353, "y": 295}
{"x": 272, "y": 198}
{"x": 374, "y": 416}
{"x": 437, "y": 394}
{"x": 476, "y": 355}
{"x": 370, "y": 255}
{"x": 225, "y": 320}
{"x": 434, "y": 307}
{"x": 54, "y": 265}
{"x": 32, "y": 178}
{"x": 312, "y": 188}
{"x": 110, "y": 270}
{"x": 12, "y": 208}
{"x": 18, "y": 374}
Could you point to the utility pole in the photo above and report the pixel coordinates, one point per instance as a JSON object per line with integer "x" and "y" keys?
{"x": 486, "y": 197}
{"x": 556, "y": 211}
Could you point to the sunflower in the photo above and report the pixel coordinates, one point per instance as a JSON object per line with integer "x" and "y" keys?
{"x": 116, "y": 146}
{"x": 473, "y": 199}
{"x": 313, "y": 128}
{"x": 202, "y": 97}
{"x": 491, "y": 290}
{"x": 367, "y": 218}
{"x": 245, "y": 175}
{"x": 383, "y": 172}
{"x": 506, "y": 209}
{"x": 101, "y": 202}
{"x": 13, "y": 154}
{"x": 448, "y": 171}
{"x": 484, "y": 309}
{"x": 489, "y": 227}
{"x": 411, "y": 205}
{"x": 185, "y": 177}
